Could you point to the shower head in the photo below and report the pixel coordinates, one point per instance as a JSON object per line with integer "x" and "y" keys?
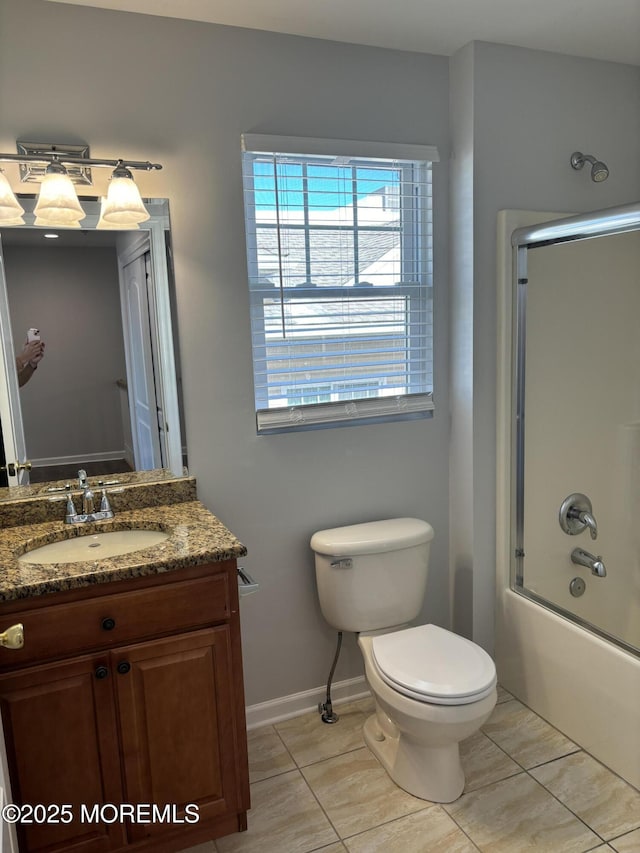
{"x": 599, "y": 170}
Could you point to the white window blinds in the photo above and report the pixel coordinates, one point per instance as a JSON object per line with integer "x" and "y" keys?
{"x": 339, "y": 249}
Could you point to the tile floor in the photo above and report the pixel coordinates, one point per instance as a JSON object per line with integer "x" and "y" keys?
{"x": 316, "y": 787}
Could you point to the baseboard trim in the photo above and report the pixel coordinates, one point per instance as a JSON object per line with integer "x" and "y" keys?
{"x": 286, "y": 707}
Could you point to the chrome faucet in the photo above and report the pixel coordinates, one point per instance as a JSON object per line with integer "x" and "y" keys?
{"x": 87, "y": 493}
{"x": 584, "y": 518}
{"x": 88, "y": 504}
{"x": 584, "y": 558}
{"x": 576, "y": 513}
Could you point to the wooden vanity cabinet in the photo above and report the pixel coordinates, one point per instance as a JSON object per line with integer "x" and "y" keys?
{"x": 144, "y": 706}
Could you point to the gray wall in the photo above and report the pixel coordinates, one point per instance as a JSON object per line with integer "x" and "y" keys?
{"x": 522, "y": 113}
{"x": 71, "y": 405}
{"x": 182, "y": 93}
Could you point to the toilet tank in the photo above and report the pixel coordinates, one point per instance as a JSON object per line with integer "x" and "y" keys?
{"x": 373, "y": 575}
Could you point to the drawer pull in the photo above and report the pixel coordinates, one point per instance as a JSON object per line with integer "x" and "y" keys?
{"x": 101, "y": 672}
{"x": 124, "y": 667}
{"x": 13, "y": 637}
{"x": 108, "y": 624}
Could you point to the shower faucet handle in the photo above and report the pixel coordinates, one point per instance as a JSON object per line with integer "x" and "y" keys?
{"x": 576, "y": 515}
{"x": 586, "y": 519}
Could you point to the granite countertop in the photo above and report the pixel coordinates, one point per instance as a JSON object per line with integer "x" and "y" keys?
{"x": 196, "y": 536}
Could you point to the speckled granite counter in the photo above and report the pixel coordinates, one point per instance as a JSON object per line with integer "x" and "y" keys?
{"x": 35, "y": 504}
{"x": 196, "y": 537}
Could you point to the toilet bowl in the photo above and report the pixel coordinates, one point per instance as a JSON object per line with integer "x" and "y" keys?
{"x": 432, "y": 690}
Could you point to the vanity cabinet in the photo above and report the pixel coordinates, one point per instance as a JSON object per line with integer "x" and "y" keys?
{"x": 129, "y": 693}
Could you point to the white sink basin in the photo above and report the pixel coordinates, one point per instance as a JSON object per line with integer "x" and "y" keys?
{"x": 95, "y": 546}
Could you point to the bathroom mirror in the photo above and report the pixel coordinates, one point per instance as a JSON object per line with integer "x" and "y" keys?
{"x": 107, "y": 395}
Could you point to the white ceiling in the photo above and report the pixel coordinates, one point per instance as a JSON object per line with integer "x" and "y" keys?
{"x": 599, "y": 29}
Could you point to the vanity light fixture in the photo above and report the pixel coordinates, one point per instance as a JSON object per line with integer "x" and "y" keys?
{"x": 103, "y": 224}
{"x": 11, "y": 211}
{"x": 57, "y": 168}
{"x": 123, "y": 205}
{"x": 57, "y": 201}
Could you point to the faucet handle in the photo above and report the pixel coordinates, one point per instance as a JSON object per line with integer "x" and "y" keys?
{"x": 71, "y": 509}
{"x": 82, "y": 478}
{"x": 104, "y": 502}
{"x": 575, "y": 515}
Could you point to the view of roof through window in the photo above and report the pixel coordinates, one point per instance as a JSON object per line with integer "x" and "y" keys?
{"x": 339, "y": 255}
{"x": 327, "y": 225}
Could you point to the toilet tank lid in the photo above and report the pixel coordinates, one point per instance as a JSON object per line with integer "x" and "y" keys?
{"x": 372, "y": 537}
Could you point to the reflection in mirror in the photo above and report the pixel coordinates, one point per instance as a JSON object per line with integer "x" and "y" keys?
{"x": 106, "y": 395}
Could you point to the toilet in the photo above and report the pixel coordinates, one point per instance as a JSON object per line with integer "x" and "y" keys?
{"x": 432, "y": 688}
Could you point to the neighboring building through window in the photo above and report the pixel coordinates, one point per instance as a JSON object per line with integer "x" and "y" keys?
{"x": 340, "y": 261}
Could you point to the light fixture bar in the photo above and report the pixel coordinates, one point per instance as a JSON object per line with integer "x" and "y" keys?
{"x": 145, "y": 165}
{"x": 40, "y": 155}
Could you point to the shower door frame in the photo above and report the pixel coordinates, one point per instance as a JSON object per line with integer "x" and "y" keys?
{"x": 565, "y": 229}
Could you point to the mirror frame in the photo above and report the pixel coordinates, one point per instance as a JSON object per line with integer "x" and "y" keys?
{"x": 166, "y": 381}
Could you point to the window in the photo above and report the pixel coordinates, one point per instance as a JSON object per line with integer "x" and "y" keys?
{"x": 340, "y": 258}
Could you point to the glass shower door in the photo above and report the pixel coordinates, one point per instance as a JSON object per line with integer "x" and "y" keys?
{"x": 581, "y": 396}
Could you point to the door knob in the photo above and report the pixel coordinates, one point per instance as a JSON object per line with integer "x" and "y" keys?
{"x": 13, "y": 637}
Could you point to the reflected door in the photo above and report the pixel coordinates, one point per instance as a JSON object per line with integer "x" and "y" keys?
{"x": 13, "y": 440}
{"x": 140, "y": 366}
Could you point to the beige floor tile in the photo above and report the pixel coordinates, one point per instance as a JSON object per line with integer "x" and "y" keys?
{"x": 356, "y": 792}
{"x": 430, "y": 829}
{"x": 268, "y": 756}
{"x": 629, "y": 843}
{"x": 284, "y": 816}
{"x": 518, "y": 815}
{"x": 332, "y": 848}
{"x": 525, "y": 736}
{"x": 483, "y": 762}
{"x": 600, "y": 798}
{"x": 206, "y": 847}
{"x": 308, "y": 739}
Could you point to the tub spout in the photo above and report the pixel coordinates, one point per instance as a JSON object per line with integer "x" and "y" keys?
{"x": 584, "y": 558}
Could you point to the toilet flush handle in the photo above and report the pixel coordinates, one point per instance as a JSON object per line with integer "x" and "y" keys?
{"x": 342, "y": 563}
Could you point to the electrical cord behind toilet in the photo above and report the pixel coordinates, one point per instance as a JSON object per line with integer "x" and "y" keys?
{"x": 325, "y": 708}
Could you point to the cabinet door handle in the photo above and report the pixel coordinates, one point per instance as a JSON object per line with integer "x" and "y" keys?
{"x": 13, "y": 637}
{"x": 108, "y": 624}
{"x": 101, "y": 672}
{"x": 124, "y": 667}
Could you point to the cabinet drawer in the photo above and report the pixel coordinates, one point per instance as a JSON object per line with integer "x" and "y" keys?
{"x": 102, "y": 622}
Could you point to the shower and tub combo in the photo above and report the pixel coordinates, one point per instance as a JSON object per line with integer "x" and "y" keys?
{"x": 568, "y": 478}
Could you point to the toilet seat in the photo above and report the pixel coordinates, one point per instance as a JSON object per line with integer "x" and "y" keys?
{"x": 431, "y": 664}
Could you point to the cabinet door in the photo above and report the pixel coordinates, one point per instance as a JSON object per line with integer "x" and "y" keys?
{"x": 61, "y": 737}
{"x": 177, "y": 726}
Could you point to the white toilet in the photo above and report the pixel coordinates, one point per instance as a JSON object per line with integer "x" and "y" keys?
{"x": 432, "y": 688}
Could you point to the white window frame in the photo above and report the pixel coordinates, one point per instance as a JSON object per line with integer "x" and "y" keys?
{"x": 418, "y": 300}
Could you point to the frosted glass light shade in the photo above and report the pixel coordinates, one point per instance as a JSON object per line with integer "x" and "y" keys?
{"x": 113, "y": 226}
{"x": 124, "y": 205}
{"x": 10, "y": 207}
{"x": 57, "y": 201}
